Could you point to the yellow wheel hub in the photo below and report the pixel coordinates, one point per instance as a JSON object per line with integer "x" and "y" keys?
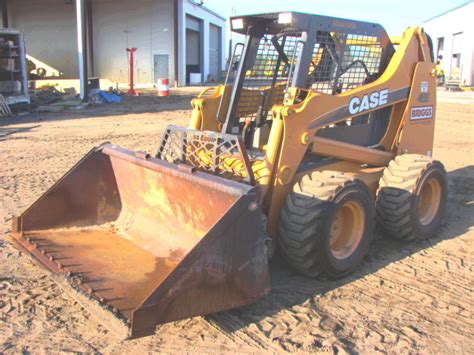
{"x": 347, "y": 229}
{"x": 429, "y": 201}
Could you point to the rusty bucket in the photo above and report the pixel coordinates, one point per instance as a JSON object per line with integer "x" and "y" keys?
{"x": 140, "y": 242}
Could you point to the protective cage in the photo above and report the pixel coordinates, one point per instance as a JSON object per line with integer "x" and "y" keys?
{"x": 268, "y": 75}
{"x": 343, "y": 61}
{"x": 339, "y": 62}
{"x": 260, "y": 76}
{"x": 310, "y": 52}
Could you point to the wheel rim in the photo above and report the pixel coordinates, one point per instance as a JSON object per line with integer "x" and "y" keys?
{"x": 429, "y": 201}
{"x": 347, "y": 229}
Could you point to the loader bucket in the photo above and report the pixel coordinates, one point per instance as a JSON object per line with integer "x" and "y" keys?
{"x": 140, "y": 242}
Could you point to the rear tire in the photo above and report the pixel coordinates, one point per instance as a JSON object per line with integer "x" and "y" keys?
{"x": 412, "y": 196}
{"x": 326, "y": 224}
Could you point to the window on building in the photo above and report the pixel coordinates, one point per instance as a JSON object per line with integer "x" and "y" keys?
{"x": 440, "y": 47}
{"x": 457, "y": 45}
{"x": 457, "y": 60}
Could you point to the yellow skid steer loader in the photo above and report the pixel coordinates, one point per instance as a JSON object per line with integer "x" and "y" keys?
{"x": 322, "y": 126}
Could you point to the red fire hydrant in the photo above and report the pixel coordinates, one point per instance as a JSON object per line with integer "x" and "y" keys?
{"x": 131, "y": 51}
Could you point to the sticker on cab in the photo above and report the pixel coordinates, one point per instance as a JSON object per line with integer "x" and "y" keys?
{"x": 424, "y": 86}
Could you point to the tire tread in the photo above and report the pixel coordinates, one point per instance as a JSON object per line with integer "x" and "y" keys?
{"x": 395, "y": 195}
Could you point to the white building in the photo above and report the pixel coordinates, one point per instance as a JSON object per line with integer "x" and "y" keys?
{"x": 453, "y": 39}
{"x": 174, "y": 38}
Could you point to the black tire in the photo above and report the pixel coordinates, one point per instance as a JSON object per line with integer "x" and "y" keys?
{"x": 308, "y": 218}
{"x": 400, "y": 204}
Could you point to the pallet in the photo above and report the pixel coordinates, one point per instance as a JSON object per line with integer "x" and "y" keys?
{"x": 4, "y": 108}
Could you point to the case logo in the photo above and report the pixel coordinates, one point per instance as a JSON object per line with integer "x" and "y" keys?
{"x": 367, "y": 102}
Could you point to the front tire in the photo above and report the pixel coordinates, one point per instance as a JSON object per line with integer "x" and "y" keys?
{"x": 326, "y": 224}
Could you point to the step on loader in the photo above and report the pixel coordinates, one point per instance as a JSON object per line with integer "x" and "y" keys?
{"x": 322, "y": 128}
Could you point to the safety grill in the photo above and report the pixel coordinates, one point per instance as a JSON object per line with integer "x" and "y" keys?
{"x": 343, "y": 61}
{"x": 266, "y": 80}
{"x": 217, "y": 153}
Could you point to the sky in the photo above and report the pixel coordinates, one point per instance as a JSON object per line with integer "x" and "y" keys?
{"x": 393, "y": 15}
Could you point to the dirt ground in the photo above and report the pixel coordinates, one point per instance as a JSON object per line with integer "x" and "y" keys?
{"x": 406, "y": 297}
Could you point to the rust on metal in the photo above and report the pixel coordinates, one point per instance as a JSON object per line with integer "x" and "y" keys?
{"x": 148, "y": 241}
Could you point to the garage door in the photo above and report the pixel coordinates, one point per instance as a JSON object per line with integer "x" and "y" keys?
{"x": 214, "y": 52}
{"x": 193, "y": 47}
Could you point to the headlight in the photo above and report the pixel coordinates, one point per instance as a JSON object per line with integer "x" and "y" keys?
{"x": 237, "y": 24}
{"x": 284, "y": 18}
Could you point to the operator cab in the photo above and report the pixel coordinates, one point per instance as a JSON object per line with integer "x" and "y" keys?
{"x": 310, "y": 52}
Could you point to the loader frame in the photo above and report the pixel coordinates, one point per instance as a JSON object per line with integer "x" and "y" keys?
{"x": 141, "y": 236}
{"x": 297, "y": 143}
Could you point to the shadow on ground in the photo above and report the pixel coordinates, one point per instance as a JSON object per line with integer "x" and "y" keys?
{"x": 290, "y": 289}
{"x": 5, "y": 132}
{"x": 146, "y": 103}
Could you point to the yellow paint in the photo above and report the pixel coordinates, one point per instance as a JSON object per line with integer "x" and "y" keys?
{"x": 293, "y": 122}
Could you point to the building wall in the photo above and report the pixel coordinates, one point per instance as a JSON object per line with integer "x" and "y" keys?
{"x": 207, "y": 18}
{"x": 446, "y": 26}
{"x": 55, "y": 45}
{"x": 145, "y": 24}
{"x": 215, "y": 51}
{"x": 50, "y": 34}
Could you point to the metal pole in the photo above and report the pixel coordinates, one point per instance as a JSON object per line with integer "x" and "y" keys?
{"x": 90, "y": 37}
{"x": 132, "y": 91}
{"x": 230, "y": 124}
{"x": 231, "y": 48}
{"x": 4, "y": 5}
{"x": 82, "y": 47}
{"x": 176, "y": 43}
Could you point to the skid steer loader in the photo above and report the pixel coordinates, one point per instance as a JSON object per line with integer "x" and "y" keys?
{"x": 323, "y": 125}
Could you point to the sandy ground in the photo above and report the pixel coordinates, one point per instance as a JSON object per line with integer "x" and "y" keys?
{"x": 406, "y": 297}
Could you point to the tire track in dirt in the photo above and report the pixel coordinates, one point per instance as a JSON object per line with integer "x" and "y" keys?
{"x": 224, "y": 321}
